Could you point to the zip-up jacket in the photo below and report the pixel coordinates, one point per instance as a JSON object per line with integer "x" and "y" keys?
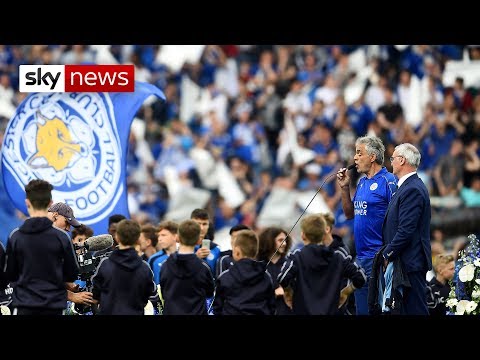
{"x": 245, "y": 289}
{"x": 186, "y": 283}
{"x": 316, "y": 273}
{"x": 40, "y": 259}
{"x": 123, "y": 284}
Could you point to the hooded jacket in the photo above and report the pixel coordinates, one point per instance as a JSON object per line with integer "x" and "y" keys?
{"x": 245, "y": 289}
{"x": 123, "y": 284}
{"x": 274, "y": 269}
{"x": 316, "y": 273}
{"x": 40, "y": 259}
{"x": 186, "y": 283}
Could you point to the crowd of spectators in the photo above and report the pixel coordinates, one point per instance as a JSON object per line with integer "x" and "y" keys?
{"x": 257, "y": 105}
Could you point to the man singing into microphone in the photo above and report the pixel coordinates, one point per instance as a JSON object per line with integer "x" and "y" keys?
{"x": 368, "y": 206}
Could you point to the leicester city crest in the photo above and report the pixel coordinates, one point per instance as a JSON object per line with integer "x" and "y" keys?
{"x": 72, "y": 141}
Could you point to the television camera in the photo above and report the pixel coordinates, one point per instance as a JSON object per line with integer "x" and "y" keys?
{"x": 89, "y": 256}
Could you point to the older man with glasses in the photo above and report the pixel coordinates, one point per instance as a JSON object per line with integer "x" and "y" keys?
{"x": 406, "y": 229}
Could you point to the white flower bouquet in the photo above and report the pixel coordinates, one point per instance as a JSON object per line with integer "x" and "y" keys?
{"x": 464, "y": 296}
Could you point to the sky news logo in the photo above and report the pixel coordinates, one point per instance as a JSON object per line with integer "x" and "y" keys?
{"x": 77, "y": 78}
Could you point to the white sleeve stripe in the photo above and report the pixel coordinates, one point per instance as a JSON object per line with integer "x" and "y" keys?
{"x": 270, "y": 276}
{"x": 208, "y": 267}
{"x": 343, "y": 255}
{"x": 221, "y": 263}
{"x": 286, "y": 271}
{"x": 221, "y": 274}
{"x": 388, "y": 184}
{"x": 13, "y": 231}
{"x": 98, "y": 267}
{"x": 343, "y": 250}
{"x": 153, "y": 277}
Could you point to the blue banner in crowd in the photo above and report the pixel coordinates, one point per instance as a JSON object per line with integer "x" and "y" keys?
{"x": 78, "y": 142}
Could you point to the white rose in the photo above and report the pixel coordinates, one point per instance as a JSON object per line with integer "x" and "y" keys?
{"x": 472, "y": 305}
{"x": 466, "y": 273}
{"x": 452, "y": 302}
{"x": 476, "y": 294}
{"x": 477, "y": 281}
{"x": 477, "y": 262}
{"x": 461, "y": 307}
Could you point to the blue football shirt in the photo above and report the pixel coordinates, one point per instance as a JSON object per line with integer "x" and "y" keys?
{"x": 370, "y": 204}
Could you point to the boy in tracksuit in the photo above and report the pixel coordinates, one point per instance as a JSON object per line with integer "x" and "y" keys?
{"x": 123, "y": 283}
{"x": 40, "y": 258}
{"x": 316, "y": 271}
{"x": 225, "y": 259}
{"x": 186, "y": 281}
{"x": 246, "y": 288}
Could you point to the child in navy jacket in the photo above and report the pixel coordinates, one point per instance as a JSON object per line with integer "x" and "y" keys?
{"x": 186, "y": 281}
{"x": 123, "y": 282}
{"x": 246, "y": 288}
{"x": 316, "y": 271}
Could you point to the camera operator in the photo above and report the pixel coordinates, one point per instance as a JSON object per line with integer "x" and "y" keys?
{"x": 40, "y": 257}
{"x": 63, "y": 218}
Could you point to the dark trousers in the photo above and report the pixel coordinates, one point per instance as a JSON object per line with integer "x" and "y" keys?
{"x": 415, "y": 302}
{"x": 37, "y": 311}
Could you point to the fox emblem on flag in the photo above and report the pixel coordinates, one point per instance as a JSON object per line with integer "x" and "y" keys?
{"x": 77, "y": 142}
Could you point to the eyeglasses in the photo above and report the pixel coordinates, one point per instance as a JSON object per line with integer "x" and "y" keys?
{"x": 393, "y": 157}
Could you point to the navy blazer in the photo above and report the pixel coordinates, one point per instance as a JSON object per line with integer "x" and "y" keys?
{"x": 406, "y": 226}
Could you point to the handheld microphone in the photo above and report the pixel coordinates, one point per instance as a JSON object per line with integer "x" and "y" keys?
{"x": 350, "y": 167}
{"x": 98, "y": 242}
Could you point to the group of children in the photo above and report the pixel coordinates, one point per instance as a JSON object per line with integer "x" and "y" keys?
{"x": 258, "y": 276}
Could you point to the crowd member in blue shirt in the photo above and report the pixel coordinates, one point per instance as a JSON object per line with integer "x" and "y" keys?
{"x": 368, "y": 206}
{"x": 167, "y": 241}
{"x": 210, "y": 256}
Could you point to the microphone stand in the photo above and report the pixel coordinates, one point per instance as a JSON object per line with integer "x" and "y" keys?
{"x": 318, "y": 190}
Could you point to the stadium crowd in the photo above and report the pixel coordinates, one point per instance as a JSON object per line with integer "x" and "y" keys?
{"x": 282, "y": 118}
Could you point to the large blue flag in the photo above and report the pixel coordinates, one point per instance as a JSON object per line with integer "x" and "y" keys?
{"x": 78, "y": 142}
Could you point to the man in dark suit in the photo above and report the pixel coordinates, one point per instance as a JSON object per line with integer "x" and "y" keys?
{"x": 406, "y": 228}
